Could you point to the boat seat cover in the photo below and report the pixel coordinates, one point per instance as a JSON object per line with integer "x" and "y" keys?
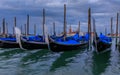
{"x": 69, "y": 42}
{"x": 105, "y": 38}
{"x": 84, "y": 38}
{"x": 8, "y": 39}
{"x": 34, "y": 38}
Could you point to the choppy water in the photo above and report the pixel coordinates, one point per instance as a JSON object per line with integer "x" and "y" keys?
{"x": 45, "y": 62}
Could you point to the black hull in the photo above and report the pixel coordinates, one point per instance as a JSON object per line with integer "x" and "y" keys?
{"x": 30, "y": 45}
{"x": 101, "y": 46}
{"x": 56, "y": 47}
{"x": 8, "y": 44}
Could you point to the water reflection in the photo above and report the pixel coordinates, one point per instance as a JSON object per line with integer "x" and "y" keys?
{"x": 64, "y": 59}
{"x": 10, "y": 52}
{"x": 79, "y": 64}
{"x": 114, "y": 67}
{"x": 33, "y": 57}
{"x": 100, "y": 62}
{"x": 37, "y": 63}
{"x": 9, "y": 60}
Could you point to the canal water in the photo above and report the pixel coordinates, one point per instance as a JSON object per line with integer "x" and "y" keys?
{"x": 46, "y": 62}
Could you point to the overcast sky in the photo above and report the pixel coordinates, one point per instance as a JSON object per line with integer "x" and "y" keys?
{"x": 102, "y": 11}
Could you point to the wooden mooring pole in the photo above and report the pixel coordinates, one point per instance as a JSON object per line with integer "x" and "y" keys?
{"x": 3, "y": 23}
{"x": 89, "y": 27}
{"x": 54, "y": 33}
{"x": 43, "y": 22}
{"x": 27, "y": 25}
{"x": 21, "y": 29}
{"x": 64, "y": 32}
{"x": 6, "y": 26}
{"x": 34, "y": 29}
{"x": 14, "y": 25}
{"x": 117, "y": 27}
{"x": 79, "y": 28}
{"x": 111, "y": 26}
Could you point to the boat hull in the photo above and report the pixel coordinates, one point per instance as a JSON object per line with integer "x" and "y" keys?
{"x": 8, "y": 44}
{"x": 101, "y": 46}
{"x": 56, "y": 47}
{"x": 30, "y": 45}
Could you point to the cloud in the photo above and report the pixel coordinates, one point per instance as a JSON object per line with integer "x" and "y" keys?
{"x": 77, "y": 10}
{"x": 93, "y": 1}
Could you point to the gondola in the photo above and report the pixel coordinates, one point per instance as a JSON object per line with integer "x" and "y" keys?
{"x": 31, "y": 43}
{"x": 67, "y": 45}
{"x": 35, "y": 42}
{"x": 102, "y": 43}
{"x": 8, "y": 43}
